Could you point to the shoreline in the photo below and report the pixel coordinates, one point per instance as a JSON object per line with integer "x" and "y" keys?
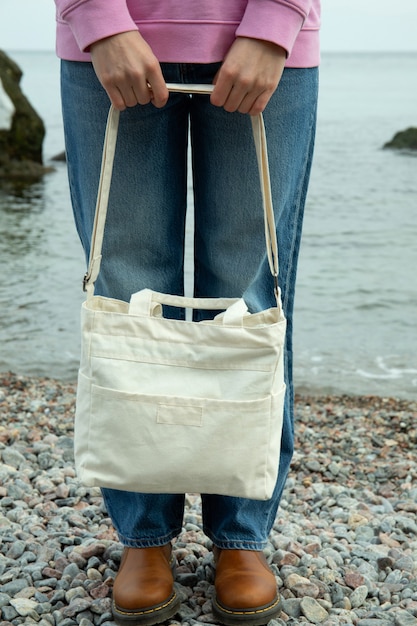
{"x": 343, "y": 547}
{"x": 302, "y": 394}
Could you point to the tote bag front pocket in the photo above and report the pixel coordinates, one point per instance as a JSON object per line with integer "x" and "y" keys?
{"x": 166, "y": 444}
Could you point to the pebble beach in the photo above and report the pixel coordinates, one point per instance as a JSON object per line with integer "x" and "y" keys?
{"x": 343, "y": 548}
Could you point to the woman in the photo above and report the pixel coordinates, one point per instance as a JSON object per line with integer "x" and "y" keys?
{"x": 262, "y": 56}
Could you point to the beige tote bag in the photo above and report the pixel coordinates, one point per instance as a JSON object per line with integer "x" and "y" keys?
{"x": 167, "y": 406}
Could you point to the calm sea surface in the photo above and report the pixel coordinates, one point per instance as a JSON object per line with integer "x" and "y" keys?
{"x": 356, "y": 306}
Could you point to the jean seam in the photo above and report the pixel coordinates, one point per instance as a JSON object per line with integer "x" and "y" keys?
{"x": 149, "y": 542}
{"x": 233, "y": 543}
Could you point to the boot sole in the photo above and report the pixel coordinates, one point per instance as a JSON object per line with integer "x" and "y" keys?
{"x": 251, "y": 617}
{"x": 148, "y": 616}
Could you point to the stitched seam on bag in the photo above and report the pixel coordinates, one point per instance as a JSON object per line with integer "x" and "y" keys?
{"x": 85, "y": 464}
{"x": 92, "y": 320}
{"x": 191, "y": 342}
{"x": 183, "y": 340}
{"x": 267, "y": 447}
{"x": 278, "y": 361}
{"x": 174, "y": 401}
{"x": 90, "y": 407}
{"x": 213, "y": 366}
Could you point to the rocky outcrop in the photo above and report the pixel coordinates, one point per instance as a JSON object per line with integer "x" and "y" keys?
{"x": 21, "y": 129}
{"x": 404, "y": 140}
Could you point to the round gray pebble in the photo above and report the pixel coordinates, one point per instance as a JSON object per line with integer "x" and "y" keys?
{"x": 343, "y": 547}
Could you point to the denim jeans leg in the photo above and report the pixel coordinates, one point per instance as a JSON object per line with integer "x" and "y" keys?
{"x": 152, "y": 250}
{"x": 230, "y": 249}
{"x": 144, "y": 237}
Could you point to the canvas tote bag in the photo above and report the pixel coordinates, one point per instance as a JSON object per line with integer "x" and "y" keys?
{"x": 167, "y": 406}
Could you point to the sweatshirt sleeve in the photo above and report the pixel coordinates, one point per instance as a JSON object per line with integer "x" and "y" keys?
{"x": 278, "y": 21}
{"x": 92, "y": 20}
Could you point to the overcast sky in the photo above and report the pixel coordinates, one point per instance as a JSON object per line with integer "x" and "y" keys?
{"x": 359, "y": 25}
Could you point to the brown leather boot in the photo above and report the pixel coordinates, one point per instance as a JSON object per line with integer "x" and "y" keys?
{"x": 143, "y": 591}
{"x": 245, "y": 589}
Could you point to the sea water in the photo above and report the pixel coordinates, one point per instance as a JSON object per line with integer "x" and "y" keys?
{"x": 356, "y": 301}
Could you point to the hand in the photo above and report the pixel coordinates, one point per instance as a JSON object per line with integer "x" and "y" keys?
{"x": 129, "y": 71}
{"x": 249, "y": 75}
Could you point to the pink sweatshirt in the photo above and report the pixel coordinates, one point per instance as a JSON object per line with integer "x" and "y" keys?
{"x": 191, "y": 31}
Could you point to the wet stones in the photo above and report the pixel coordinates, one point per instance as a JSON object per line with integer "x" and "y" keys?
{"x": 343, "y": 547}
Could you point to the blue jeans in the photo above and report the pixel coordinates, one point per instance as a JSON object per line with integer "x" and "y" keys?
{"x": 145, "y": 230}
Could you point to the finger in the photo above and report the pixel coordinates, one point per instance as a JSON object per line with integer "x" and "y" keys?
{"x": 234, "y": 101}
{"x": 231, "y": 91}
{"x": 123, "y": 96}
{"x": 247, "y": 103}
{"x": 240, "y": 99}
{"x": 142, "y": 92}
{"x": 220, "y": 92}
{"x": 130, "y": 97}
{"x": 158, "y": 91}
{"x": 259, "y": 104}
{"x": 116, "y": 98}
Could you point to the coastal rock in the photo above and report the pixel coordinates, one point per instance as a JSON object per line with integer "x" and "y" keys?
{"x": 22, "y": 131}
{"x": 403, "y": 618}
{"x": 24, "y": 606}
{"x": 359, "y": 596}
{"x": 404, "y": 140}
{"x": 313, "y": 611}
{"x": 291, "y": 606}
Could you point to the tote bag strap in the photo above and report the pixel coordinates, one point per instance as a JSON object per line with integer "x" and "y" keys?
{"x": 109, "y": 148}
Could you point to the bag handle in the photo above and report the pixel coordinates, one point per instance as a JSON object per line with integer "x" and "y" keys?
{"x": 109, "y": 148}
{"x": 143, "y": 302}
{"x": 148, "y": 303}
